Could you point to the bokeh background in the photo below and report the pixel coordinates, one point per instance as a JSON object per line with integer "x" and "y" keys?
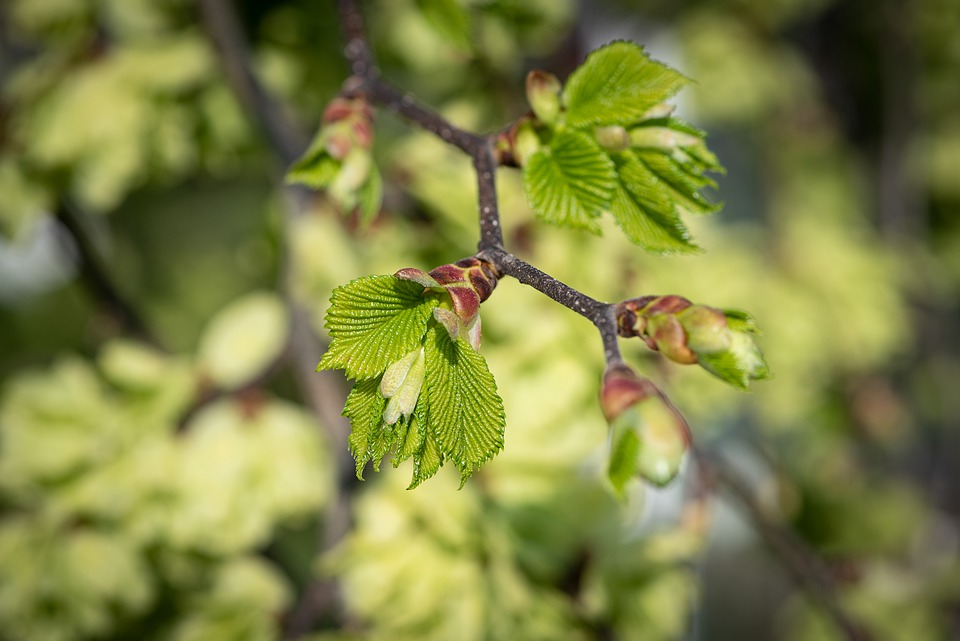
{"x": 171, "y": 468}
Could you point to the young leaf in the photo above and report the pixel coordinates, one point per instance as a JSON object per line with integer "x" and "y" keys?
{"x": 364, "y": 408}
{"x": 427, "y": 458}
{"x": 571, "y": 182}
{"x": 370, "y": 196}
{"x": 616, "y": 85}
{"x": 681, "y": 182}
{"x": 373, "y": 322}
{"x": 316, "y": 169}
{"x": 464, "y": 410}
{"x": 645, "y": 210}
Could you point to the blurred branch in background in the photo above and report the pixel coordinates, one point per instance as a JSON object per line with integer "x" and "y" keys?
{"x": 96, "y": 273}
{"x": 323, "y": 392}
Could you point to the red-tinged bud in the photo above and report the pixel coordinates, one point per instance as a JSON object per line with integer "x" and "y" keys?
{"x": 720, "y": 341}
{"x": 668, "y": 336}
{"x": 469, "y": 282}
{"x": 543, "y": 94}
{"x": 418, "y": 276}
{"x": 338, "y": 109}
{"x": 623, "y": 388}
{"x": 362, "y": 129}
{"x": 648, "y": 436}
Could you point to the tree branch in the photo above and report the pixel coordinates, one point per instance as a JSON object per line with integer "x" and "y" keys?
{"x": 226, "y": 34}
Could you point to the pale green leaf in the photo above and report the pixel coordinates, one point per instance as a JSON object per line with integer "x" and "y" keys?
{"x": 571, "y": 182}
{"x": 739, "y": 365}
{"x": 370, "y": 196}
{"x": 373, "y": 322}
{"x": 616, "y": 85}
{"x": 243, "y": 339}
{"x": 623, "y": 461}
{"x": 464, "y": 410}
{"x": 645, "y": 210}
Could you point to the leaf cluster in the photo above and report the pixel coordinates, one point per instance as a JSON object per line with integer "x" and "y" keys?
{"x": 452, "y": 409}
{"x": 607, "y": 143}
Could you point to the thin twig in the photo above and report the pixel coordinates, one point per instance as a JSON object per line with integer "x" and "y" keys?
{"x": 227, "y": 36}
{"x": 491, "y": 231}
{"x": 323, "y": 393}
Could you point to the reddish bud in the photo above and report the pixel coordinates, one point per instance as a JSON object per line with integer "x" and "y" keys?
{"x": 623, "y": 388}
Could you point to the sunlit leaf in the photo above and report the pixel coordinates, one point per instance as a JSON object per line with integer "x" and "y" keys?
{"x": 464, "y": 410}
{"x": 616, "y": 85}
{"x": 571, "y": 182}
{"x": 645, "y": 210}
{"x": 373, "y": 322}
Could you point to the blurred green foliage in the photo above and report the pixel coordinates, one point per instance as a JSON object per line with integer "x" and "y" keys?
{"x": 173, "y": 492}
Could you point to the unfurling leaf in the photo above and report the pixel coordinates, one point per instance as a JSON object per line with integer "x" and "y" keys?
{"x": 648, "y": 437}
{"x": 570, "y": 183}
{"x": 373, "y": 322}
{"x": 616, "y": 85}
{"x": 339, "y": 159}
{"x": 423, "y": 391}
{"x": 720, "y": 341}
{"x": 463, "y": 407}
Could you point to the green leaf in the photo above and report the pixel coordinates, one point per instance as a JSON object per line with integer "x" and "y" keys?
{"x": 364, "y": 408}
{"x": 616, "y": 85}
{"x": 373, "y": 322}
{"x": 450, "y": 19}
{"x": 681, "y": 182}
{"x": 623, "y": 461}
{"x": 464, "y": 410}
{"x": 315, "y": 168}
{"x": 645, "y": 210}
{"x": 370, "y": 196}
{"x": 427, "y": 458}
{"x": 571, "y": 182}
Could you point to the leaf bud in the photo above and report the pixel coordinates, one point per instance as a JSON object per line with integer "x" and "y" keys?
{"x": 401, "y": 383}
{"x": 526, "y": 143}
{"x": 543, "y": 94}
{"x": 720, "y": 341}
{"x": 612, "y": 138}
{"x": 648, "y": 436}
{"x": 663, "y": 138}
